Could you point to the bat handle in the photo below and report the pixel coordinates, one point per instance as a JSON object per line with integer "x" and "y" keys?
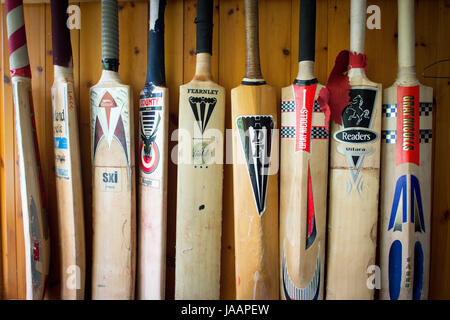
{"x": 204, "y": 22}
{"x": 17, "y": 40}
{"x": 357, "y": 25}
{"x": 253, "y": 68}
{"x": 110, "y": 35}
{"x": 62, "y": 48}
{"x": 406, "y": 38}
{"x": 307, "y": 40}
{"x": 156, "y": 71}
{"x": 307, "y": 30}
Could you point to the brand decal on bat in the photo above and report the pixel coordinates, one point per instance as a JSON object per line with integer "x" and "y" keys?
{"x": 61, "y": 133}
{"x": 150, "y": 118}
{"x": 292, "y": 292}
{"x": 355, "y": 136}
{"x": 395, "y": 269}
{"x": 36, "y": 241}
{"x": 108, "y": 121}
{"x": 202, "y": 108}
{"x": 304, "y": 102}
{"x": 111, "y": 179}
{"x": 256, "y": 133}
{"x": 311, "y": 231}
{"x": 418, "y": 271}
{"x": 357, "y": 120}
{"x": 408, "y": 125}
{"x": 397, "y": 220}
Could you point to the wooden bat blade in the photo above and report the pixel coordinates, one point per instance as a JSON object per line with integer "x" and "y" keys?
{"x": 255, "y": 154}
{"x": 199, "y": 193}
{"x": 406, "y": 191}
{"x": 353, "y": 193}
{"x": 69, "y": 189}
{"x": 303, "y": 193}
{"x": 113, "y": 193}
{"x": 37, "y": 238}
{"x": 153, "y": 157}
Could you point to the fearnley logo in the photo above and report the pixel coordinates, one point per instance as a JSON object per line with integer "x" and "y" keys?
{"x": 202, "y": 108}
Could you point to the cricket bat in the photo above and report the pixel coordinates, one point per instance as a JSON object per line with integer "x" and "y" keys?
{"x": 200, "y": 173}
{"x": 303, "y": 174}
{"x": 354, "y": 177}
{"x": 36, "y": 232}
{"x": 255, "y": 186}
{"x": 153, "y": 149}
{"x": 69, "y": 191}
{"x": 113, "y": 189}
{"x": 406, "y": 151}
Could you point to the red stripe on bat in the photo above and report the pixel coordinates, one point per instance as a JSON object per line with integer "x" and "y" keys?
{"x": 22, "y": 72}
{"x": 408, "y": 125}
{"x": 12, "y": 4}
{"x": 310, "y": 206}
{"x": 304, "y": 103}
{"x": 17, "y": 39}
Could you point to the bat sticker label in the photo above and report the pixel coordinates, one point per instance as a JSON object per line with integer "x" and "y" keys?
{"x": 110, "y": 119}
{"x": 202, "y": 108}
{"x": 304, "y": 102}
{"x": 61, "y": 132}
{"x": 292, "y": 292}
{"x": 408, "y": 125}
{"x": 357, "y": 120}
{"x": 395, "y": 269}
{"x": 311, "y": 230}
{"x": 256, "y": 133}
{"x": 416, "y": 208}
{"x": 111, "y": 179}
{"x": 36, "y": 240}
{"x": 418, "y": 271}
{"x": 150, "y": 109}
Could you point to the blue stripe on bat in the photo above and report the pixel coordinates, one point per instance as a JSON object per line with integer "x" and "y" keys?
{"x": 418, "y": 271}
{"x": 400, "y": 191}
{"x": 416, "y": 194}
{"x": 395, "y": 269}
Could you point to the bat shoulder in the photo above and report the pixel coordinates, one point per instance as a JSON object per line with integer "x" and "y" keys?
{"x": 363, "y": 81}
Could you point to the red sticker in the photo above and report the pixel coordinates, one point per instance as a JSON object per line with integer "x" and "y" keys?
{"x": 408, "y": 125}
{"x": 304, "y": 103}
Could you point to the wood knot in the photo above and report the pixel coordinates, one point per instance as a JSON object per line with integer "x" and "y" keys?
{"x": 136, "y": 50}
{"x": 286, "y": 52}
{"x": 89, "y": 84}
{"x": 39, "y": 69}
{"x": 191, "y": 52}
{"x": 6, "y": 79}
{"x": 230, "y": 12}
{"x": 447, "y": 214}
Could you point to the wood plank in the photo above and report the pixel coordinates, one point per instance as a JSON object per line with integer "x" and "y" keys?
{"x": 90, "y": 71}
{"x": 231, "y": 72}
{"x": 440, "y": 224}
{"x": 173, "y": 39}
{"x": 8, "y": 216}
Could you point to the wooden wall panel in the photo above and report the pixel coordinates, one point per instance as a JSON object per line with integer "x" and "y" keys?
{"x": 279, "y": 56}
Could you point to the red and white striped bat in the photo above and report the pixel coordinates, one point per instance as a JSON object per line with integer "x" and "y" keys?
{"x": 37, "y": 240}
